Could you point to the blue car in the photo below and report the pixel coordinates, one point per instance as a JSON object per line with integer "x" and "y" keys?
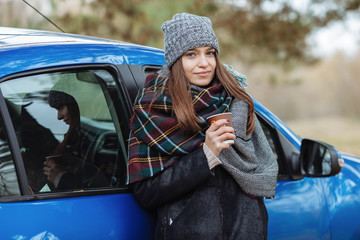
{"x": 318, "y": 188}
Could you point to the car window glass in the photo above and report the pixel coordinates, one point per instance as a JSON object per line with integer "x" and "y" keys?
{"x": 8, "y": 180}
{"x": 70, "y": 128}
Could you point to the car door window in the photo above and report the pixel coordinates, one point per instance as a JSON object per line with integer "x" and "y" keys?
{"x": 70, "y": 128}
{"x": 272, "y": 138}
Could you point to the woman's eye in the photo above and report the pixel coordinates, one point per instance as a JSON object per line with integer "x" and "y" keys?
{"x": 211, "y": 53}
{"x": 190, "y": 54}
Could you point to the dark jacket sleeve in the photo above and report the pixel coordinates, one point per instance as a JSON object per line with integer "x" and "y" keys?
{"x": 174, "y": 182}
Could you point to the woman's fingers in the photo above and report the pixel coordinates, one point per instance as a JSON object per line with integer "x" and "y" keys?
{"x": 49, "y": 165}
{"x": 218, "y": 124}
{"x": 51, "y": 169}
{"x": 217, "y": 133}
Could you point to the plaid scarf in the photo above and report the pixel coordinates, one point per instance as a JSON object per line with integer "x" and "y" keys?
{"x": 156, "y": 141}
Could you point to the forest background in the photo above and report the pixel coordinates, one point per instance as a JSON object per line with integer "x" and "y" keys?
{"x": 267, "y": 40}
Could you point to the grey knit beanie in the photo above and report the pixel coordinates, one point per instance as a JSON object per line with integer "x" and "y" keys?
{"x": 184, "y": 32}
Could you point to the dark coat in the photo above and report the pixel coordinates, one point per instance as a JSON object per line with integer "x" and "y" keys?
{"x": 193, "y": 202}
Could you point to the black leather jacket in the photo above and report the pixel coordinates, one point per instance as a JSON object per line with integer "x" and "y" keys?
{"x": 193, "y": 202}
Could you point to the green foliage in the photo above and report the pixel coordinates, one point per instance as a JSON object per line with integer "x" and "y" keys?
{"x": 251, "y": 31}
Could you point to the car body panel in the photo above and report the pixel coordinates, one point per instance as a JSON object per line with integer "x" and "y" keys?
{"x": 76, "y": 218}
{"x": 306, "y": 208}
{"x": 298, "y": 211}
{"x": 20, "y": 51}
{"x": 57, "y": 55}
{"x": 344, "y": 199}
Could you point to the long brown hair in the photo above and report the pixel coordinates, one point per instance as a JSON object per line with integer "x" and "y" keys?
{"x": 75, "y": 122}
{"x": 178, "y": 87}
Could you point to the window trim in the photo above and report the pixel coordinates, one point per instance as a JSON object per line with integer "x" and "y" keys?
{"x": 14, "y": 145}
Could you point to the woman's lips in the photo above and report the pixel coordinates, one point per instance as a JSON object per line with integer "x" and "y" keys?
{"x": 203, "y": 74}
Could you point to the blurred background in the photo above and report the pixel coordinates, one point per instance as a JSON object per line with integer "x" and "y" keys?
{"x": 301, "y": 58}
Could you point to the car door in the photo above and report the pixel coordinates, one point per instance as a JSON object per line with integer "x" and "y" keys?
{"x": 299, "y": 209}
{"x": 100, "y": 206}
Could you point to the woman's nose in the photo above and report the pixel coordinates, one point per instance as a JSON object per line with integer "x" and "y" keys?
{"x": 59, "y": 115}
{"x": 203, "y": 62}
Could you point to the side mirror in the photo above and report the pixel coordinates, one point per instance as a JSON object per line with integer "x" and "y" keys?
{"x": 319, "y": 159}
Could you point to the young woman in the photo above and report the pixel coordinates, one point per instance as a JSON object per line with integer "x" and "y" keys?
{"x": 202, "y": 187}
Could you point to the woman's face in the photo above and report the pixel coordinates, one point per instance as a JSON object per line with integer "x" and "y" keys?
{"x": 199, "y": 65}
{"x": 64, "y": 114}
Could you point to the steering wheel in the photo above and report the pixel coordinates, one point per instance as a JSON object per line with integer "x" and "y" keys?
{"x": 99, "y": 143}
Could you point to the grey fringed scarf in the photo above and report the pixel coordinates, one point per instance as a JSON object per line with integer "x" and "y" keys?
{"x": 250, "y": 159}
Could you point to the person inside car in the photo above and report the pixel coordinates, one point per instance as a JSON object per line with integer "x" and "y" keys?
{"x": 67, "y": 168}
{"x": 57, "y": 167}
{"x": 201, "y": 186}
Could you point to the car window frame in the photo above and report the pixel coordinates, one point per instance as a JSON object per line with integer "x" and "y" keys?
{"x": 284, "y": 171}
{"x": 26, "y": 193}
{"x": 13, "y": 146}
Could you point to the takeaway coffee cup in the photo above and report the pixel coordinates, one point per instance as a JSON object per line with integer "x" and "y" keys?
{"x": 219, "y": 116}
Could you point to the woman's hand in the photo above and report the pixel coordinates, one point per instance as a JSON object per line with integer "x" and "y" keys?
{"x": 217, "y": 134}
{"x": 51, "y": 170}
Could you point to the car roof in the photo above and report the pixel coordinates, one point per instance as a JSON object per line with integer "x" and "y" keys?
{"x": 26, "y": 49}
{"x": 12, "y": 37}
